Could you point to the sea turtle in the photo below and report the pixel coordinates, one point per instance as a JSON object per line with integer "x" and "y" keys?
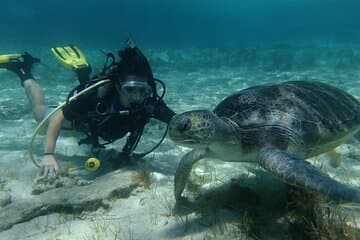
{"x": 277, "y": 126}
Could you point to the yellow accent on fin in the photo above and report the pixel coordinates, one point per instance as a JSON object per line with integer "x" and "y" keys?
{"x": 6, "y": 58}
{"x": 70, "y": 56}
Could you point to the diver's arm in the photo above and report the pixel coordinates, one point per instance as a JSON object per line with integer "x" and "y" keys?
{"x": 49, "y": 165}
{"x": 162, "y": 112}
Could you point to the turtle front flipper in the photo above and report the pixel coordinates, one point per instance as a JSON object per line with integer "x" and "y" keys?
{"x": 297, "y": 172}
{"x": 184, "y": 168}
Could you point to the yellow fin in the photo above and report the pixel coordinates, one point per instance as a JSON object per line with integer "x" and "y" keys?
{"x": 8, "y": 57}
{"x": 70, "y": 56}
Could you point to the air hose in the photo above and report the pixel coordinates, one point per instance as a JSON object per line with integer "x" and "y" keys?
{"x": 42, "y": 123}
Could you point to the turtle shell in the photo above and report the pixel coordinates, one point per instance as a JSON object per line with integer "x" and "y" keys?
{"x": 297, "y": 112}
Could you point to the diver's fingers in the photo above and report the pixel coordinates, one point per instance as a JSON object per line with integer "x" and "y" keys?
{"x": 56, "y": 169}
{"x": 44, "y": 171}
{"x": 51, "y": 172}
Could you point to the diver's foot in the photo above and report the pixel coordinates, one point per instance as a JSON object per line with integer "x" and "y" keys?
{"x": 20, "y": 64}
{"x": 73, "y": 58}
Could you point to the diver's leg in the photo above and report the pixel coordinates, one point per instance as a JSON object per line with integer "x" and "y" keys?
{"x": 21, "y": 65}
{"x": 35, "y": 95}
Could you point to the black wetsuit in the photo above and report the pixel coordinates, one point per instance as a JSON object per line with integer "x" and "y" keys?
{"x": 106, "y": 118}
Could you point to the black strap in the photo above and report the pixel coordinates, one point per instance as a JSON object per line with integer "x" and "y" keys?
{"x": 132, "y": 141}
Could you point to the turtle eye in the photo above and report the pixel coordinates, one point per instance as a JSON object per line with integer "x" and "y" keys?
{"x": 184, "y": 125}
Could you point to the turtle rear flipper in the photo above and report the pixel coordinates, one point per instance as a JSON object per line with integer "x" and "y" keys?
{"x": 300, "y": 173}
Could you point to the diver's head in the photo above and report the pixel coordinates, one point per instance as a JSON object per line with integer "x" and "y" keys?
{"x": 134, "y": 81}
{"x": 133, "y": 90}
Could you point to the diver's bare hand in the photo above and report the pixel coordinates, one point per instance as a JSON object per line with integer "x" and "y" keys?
{"x": 49, "y": 166}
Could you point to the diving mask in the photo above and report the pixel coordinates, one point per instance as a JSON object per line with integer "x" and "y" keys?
{"x": 135, "y": 92}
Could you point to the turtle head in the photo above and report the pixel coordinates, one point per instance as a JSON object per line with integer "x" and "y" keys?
{"x": 195, "y": 129}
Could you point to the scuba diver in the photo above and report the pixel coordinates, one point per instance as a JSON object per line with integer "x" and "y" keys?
{"x": 122, "y": 106}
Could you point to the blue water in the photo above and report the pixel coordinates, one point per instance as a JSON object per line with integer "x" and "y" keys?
{"x": 170, "y": 22}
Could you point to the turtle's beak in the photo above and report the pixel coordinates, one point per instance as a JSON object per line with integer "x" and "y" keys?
{"x": 186, "y": 129}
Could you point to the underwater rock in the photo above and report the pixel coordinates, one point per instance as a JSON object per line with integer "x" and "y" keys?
{"x": 43, "y": 184}
{"x": 70, "y": 199}
{"x": 5, "y": 198}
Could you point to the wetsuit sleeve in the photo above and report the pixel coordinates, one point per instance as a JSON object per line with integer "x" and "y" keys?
{"x": 162, "y": 112}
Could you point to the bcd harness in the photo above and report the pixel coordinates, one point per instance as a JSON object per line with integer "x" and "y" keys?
{"x": 104, "y": 111}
